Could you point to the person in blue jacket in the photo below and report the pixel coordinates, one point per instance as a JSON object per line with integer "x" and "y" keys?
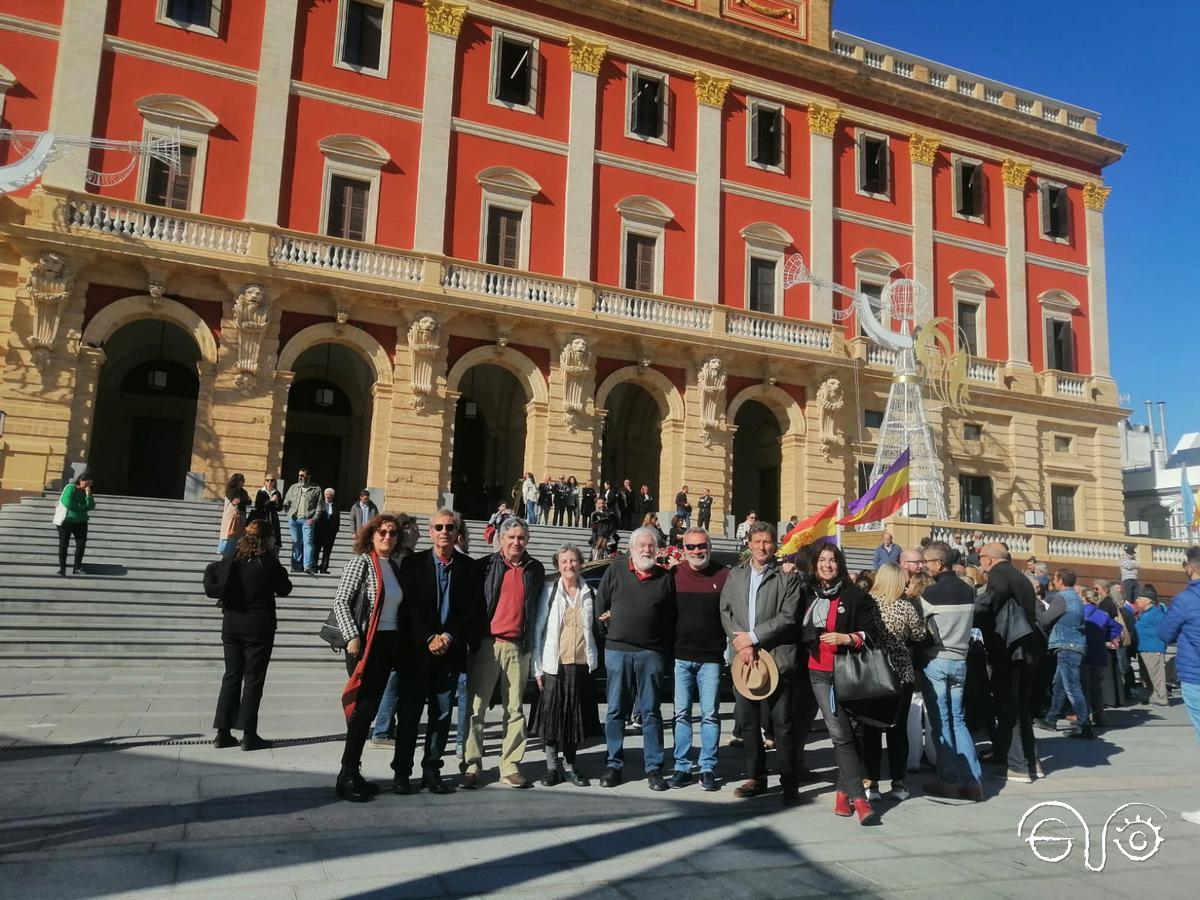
{"x": 1181, "y": 626}
{"x": 1151, "y": 648}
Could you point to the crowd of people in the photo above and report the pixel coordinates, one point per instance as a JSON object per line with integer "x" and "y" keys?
{"x": 993, "y": 652}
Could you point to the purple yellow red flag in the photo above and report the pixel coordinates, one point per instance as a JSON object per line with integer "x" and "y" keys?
{"x": 821, "y": 526}
{"x": 885, "y": 497}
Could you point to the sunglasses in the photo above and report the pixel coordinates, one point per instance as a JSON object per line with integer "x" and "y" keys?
{"x": 387, "y": 532}
{"x": 444, "y": 526}
{"x": 695, "y": 546}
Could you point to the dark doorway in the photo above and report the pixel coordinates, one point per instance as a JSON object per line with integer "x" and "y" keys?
{"x": 145, "y": 411}
{"x": 489, "y": 440}
{"x": 632, "y": 441}
{"x": 329, "y": 420}
{"x": 757, "y": 458}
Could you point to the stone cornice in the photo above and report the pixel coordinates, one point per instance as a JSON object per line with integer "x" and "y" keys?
{"x": 27, "y": 26}
{"x": 179, "y": 60}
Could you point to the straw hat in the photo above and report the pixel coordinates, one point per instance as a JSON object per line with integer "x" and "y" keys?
{"x": 758, "y": 681}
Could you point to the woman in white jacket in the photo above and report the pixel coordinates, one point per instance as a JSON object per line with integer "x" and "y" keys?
{"x": 564, "y": 658}
{"x": 529, "y": 493}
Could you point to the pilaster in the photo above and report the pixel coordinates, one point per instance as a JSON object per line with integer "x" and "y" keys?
{"x": 710, "y": 100}
{"x": 271, "y": 111}
{"x": 586, "y": 59}
{"x": 1095, "y": 196}
{"x": 923, "y": 155}
{"x": 444, "y": 21}
{"x": 822, "y": 125}
{"x": 76, "y": 80}
{"x": 1015, "y": 176}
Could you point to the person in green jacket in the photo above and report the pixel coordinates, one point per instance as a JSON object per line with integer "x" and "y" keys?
{"x": 78, "y": 500}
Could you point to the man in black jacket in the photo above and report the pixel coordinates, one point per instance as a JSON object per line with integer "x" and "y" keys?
{"x": 512, "y": 586}
{"x": 626, "y": 504}
{"x": 636, "y": 603}
{"x": 444, "y": 598}
{"x": 327, "y": 524}
{"x": 1006, "y": 613}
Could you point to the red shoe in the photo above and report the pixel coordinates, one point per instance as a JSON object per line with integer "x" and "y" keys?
{"x": 866, "y": 815}
{"x": 841, "y": 804}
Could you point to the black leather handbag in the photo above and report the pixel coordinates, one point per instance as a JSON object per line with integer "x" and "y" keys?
{"x": 331, "y": 634}
{"x": 864, "y": 674}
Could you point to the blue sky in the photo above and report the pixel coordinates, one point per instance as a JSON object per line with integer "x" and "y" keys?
{"x": 1139, "y": 72}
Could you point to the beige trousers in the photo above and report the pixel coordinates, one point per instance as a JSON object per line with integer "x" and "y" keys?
{"x": 1155, "y": 671}
{"x": 497, "y": 661}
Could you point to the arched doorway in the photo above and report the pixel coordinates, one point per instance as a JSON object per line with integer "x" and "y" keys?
{"x": 329, "y": 419}
{"x": 632, "y": 438}
{"x": 145, "y": 410}
{"x": 757, "y": 460}
{"x": 489, "y": 439}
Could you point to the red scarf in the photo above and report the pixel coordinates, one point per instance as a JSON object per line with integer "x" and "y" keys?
{"x": 354, "y": 684}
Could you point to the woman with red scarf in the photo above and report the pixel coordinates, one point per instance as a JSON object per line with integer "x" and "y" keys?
{"x": 370, "y": 614}
{"x": 840, "y": 618}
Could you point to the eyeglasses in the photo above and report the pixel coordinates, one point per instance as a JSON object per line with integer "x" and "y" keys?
{"x": 387, "y": 532}
{"x": 444, "y": 526}
{"x": 695, "y": 546}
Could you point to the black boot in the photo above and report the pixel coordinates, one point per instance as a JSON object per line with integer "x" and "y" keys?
{"x": 351, "y": 786}
{"x": 224, "y": 739}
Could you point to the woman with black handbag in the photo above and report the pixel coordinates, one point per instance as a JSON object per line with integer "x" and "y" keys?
{"x": 369, "y": 613}
{"x": 840, "y": 619}
{"x": 902, "y": 628}
{"x": 247, "y": 590}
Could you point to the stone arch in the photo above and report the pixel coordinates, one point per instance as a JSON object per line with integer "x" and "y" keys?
{"x": 524, "y": 368}
{"x": 182, "y": 112}
{"x": 657, "y": 384}
{"x": 130, "y": 309}
{"x": 878, "y": 261}
{"x": 972, "y": 280}
{"x": 787, "y": 411}
{"x": 348, "y": 336}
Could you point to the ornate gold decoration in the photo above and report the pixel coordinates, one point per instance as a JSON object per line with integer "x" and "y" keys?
{"x": 771, "y": 12}
{"x": 711, "y": 379}
{"x": 424, "y": 339}
{"x": 711, "y": 89}
{"x": 250, "y": 312}
{"x": 444, "y": 18}
{"x": 823, "y": 119}
{"x": 576, "y": 361}
{"x": 1095, "y": 195}
{"x": 1015, "y": 174}
{"x": 585, "y": 55}
{"x": 922, "y": 148}
{"x": 51, "y": 281}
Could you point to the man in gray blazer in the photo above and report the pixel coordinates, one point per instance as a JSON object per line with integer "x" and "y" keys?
{"x": 760, "y": 605}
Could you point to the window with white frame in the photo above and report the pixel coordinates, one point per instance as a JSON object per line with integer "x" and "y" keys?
{"x": 1055, "y": 203}
{"x": 969, "y": 189}
{"x": 506, "y": 216}
{"x": 1058, "y": 311}
{"x": 364, "y": 34}
{"x": 765, "y": 135}
{"x": 350, "y": 186}
{"x": 175, "y": 187}
{"x": 766, "y": 247}
{"x": 515, "y": 68}
{"x": 643, "y": 235}
{"x": 200, "y": 16}
{"x": 873, "y": 152}
{"x": 971, "y": 290}
{"x": 648, "y": 102}
{"x": 873, "y": 269}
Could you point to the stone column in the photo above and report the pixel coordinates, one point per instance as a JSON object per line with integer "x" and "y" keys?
{"x": 1015, "y": 176}
{"x": 586, "y": 59}
{"x": 271, "y": 111}
{"x": 83, "y": 408}
{"x": 76, "y": 79}
{"x": 380, "y": 439}
{"x": 280, "y": 391}
{"x": 822, "y": 124}
{"x": 203, "y": 438}
{"x": 444, "y": 21}
{"x": 922, "y": 152}
{"x": 710, "y": 101}
{"x": 1094, "y": 197}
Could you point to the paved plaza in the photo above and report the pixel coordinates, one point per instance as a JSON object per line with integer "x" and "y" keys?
{"x": 110, "y": 788}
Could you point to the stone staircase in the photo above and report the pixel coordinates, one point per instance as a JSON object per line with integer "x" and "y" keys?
{"x": 140, "y": 601}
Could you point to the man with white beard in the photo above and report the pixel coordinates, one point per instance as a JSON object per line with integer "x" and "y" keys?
{"x": 636, "y": 602}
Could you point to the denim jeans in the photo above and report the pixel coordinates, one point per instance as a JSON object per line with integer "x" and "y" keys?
{"x": 460, "y": 730}
{"x": 302, "y": 544}
{"x": 634, "y": 676}
{"x": 692, "y": 680}
{"x": 226, "y": 545}
{"x": 1067, "y": 684}
{"x": 531, "y": 512}
{"x": 1191, "y": 699}
{"x": 942, "y": 685}
{"x": 385, "y": 719}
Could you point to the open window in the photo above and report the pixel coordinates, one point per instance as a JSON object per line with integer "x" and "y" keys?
{"x": 159, "y": 184}
{"x": 200, "y": 16}
{"x": 515, "y": 65}
{"x": 364, "y": 36}
{"x": 975, "y": 499}
{"x": 969, "y": 189}
{"x": 872, "y": 270}
{"x": 874, "y": 165}
{"x": 350, "y": 191}
{"x": 765, "y": 137}
{"x": 506, "y": 216}
{"x": 1055, "y": 204}
{"x": 648, "y": 100}
{"x": 1058, "y": 313}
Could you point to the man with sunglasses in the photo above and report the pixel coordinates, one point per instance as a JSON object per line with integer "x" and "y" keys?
{"x": 301, "y": 503}
{"x": 699, "y": 653}
{"x": 512, "y": 587}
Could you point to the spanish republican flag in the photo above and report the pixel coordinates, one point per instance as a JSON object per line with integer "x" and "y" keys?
{"x": 885, "y": 497}
{"x": 819, "y": 527}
